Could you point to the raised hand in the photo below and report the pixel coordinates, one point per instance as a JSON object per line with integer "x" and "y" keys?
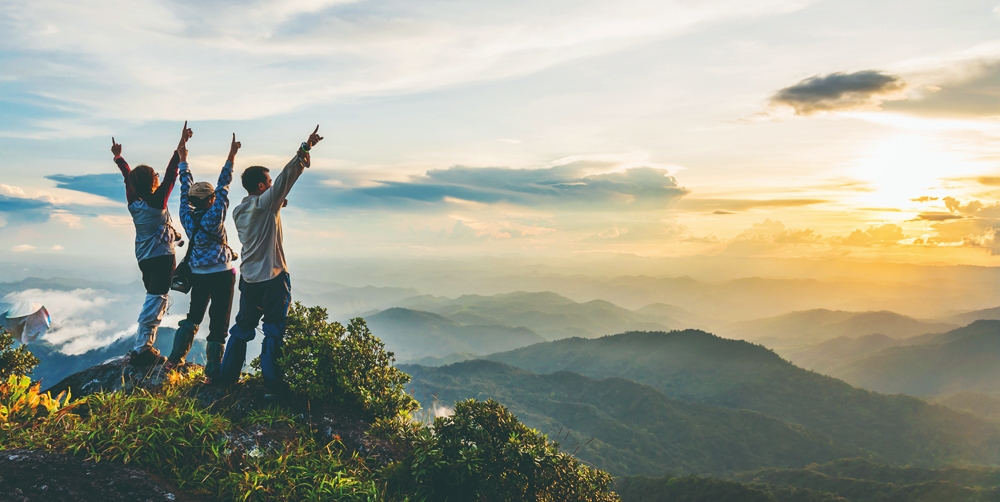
{"x": 116, "y": 148}
{"x": 314, "y": 137}
{"x": 233, "y": 148}
{"x": 182, "y": 144}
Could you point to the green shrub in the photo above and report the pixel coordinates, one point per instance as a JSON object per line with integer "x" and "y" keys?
{"x": 327, "y": 362}
{"x": 19, "y": 361}
{"x": 482, "y": 453}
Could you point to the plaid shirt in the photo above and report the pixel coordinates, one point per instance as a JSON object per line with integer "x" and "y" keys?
{"x": 207, "y": 250}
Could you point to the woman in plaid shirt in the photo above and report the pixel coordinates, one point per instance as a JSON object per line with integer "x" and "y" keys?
{"x": 203, "y": 215}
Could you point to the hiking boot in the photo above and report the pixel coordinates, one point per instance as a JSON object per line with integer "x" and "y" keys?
{"x": 213, "y": 362}
{"x": 183, "y": 338}
{"x": 148, "y": 357}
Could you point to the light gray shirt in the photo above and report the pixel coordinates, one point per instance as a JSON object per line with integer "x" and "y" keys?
{"x": 258, "y": 222}
{"x": 154, "y": 235}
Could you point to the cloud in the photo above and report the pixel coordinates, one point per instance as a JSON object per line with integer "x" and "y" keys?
{"x": 82, "y": 319}
{"x": 938, "y": 216}
{"x": 565, "y": 187}
{"x": 840, "y": 92}
{"x": 924, "y": 198}
{"x": 881, "y": 235}
{"x": 24, "y": 209}
{"x": 961, "y": 89}
{"x": 20, "y": 248}
{"x": 727, "y": 206}
{"x": 105, "y": 185}
{"x": 769, "y": 235}
{"x": 225, "y": 60}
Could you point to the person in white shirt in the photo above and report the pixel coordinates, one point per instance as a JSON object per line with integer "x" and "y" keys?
{"x": 265, "y": 287}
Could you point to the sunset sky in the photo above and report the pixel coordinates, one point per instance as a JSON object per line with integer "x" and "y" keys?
{"x": 782, "y": 128}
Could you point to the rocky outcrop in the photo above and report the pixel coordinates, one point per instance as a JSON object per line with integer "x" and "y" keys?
{"x": 29, "y": 476}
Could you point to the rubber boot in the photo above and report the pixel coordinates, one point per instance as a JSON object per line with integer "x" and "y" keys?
{"x": 213, "y": 363}
{"x": 183, "y": 338}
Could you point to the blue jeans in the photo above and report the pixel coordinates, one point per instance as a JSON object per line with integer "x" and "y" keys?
{"x": 268, "y": 300}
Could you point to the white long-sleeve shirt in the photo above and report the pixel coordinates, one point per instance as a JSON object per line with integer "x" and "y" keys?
{"x": 258, "y": 222}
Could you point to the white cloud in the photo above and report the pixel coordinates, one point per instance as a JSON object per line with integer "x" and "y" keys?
{"x": 155, "y": 59}
{"x": 20, "y": 248}
{"x": 13, "y": 191}
{"x": 82, "y": 319}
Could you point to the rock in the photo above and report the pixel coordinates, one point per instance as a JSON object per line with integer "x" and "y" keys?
{"x": 113, "y": 375}
{"x": 31, "y": 475}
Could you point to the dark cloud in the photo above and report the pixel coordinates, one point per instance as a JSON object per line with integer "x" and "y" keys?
{"x": 641, "y": 188}
{"x": 25, "y": 210}
{"x": 105, "y": 185}
{"x": 727, "y": 206}
{"x": 838, "y": 91}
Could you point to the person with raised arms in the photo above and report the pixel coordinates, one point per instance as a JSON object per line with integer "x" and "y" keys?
{"x": 203, "y": 216}
{"x": 154, "y": 243}
{"x": 265, "y": 286}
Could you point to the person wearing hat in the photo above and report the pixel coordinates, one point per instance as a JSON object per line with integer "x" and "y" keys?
{"x": 154, "y": 243}
{"x": 203, "y": 215}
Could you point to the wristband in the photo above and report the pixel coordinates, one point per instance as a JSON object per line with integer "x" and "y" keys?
{"x": 304, "y": 147}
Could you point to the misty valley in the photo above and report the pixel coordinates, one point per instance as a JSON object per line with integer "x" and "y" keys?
{"x": 675, "y": 401}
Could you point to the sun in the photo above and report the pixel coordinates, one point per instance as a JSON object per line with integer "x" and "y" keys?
{"x": 903, "y": 168}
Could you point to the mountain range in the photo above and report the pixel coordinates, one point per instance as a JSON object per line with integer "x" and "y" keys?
{"x": 696, "y": 366}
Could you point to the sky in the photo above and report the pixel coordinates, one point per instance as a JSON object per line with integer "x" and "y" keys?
{"x": 559, "y": 129}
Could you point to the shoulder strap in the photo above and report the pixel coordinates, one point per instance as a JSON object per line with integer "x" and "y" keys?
{"x": 198, "y": 228}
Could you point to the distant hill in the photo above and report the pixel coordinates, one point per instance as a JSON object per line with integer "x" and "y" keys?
{"x": 826, "y": 357}
{"x": 345, "y": 301}
{"x": 966, "y": 359}
{"x": 821, "y": 324}
{"x": 979, "y": 404}
{"x": 626, "y": 427}
{"x": 412, "y": 334}
{"x": 992, "y": 314}
{"x": 696, "y": 366}
{"x": 550, "y": 315}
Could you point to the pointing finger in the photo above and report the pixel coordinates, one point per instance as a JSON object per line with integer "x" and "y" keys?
{"x": 317, "y": 129}
{"x": 113, "y": 141}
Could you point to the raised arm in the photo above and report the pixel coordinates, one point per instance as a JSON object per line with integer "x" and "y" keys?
{"x": 274, "y": 198}
{"x": 116, "y": 150}
{"x": 217, "y": 212}
{"x": 187, "y": 221}
{"x": 162, "y": 193}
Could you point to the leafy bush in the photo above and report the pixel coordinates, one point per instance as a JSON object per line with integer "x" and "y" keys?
{"x": 327, "y": 362}
{"x": 21, "y": 402}
{"x": 19, "y": 361}
{"x": 482, "y": 453}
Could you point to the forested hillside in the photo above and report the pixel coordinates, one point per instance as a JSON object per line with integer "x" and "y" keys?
{"x": 963, "y": 360}
{"x": 696, "y": 366}
{"x": 625, "y": 427}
